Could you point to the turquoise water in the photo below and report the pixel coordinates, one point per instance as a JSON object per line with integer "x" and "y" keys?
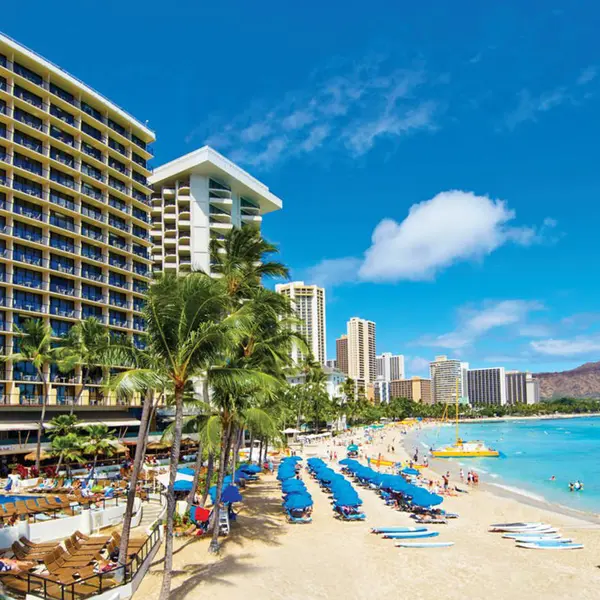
{"x": 533, "y": 451}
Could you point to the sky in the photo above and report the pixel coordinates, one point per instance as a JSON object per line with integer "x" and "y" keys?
{"x": 438, "y": 163}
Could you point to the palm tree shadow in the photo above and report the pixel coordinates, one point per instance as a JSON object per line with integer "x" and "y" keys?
{"x": 216, "y": 572}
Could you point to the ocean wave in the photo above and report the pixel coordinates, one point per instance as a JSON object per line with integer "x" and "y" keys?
{"x": 520, "y": 492}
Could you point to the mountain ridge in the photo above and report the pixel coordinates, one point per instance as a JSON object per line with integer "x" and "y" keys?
{"x": 581, "y": 382}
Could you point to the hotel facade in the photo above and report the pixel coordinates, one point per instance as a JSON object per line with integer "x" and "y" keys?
{"x": 308, "y": 302}
{"x": 74, "y": 226}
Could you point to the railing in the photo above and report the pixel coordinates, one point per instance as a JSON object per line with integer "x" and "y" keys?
{"x": 46, "y": 587}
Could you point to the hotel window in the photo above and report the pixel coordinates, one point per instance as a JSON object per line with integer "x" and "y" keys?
{"x": 91, "y": 292}
{"x": 27, "y": 73}
{"x": 90, "y": 310}
{"x": 91, "y": 251}
{"x": 27, "y": 255}
{"x": 91, "y": 272}
{"x": 62, "y": 114}
{"x": 91, "y": 131}
{"x": 63, "y": 136}
{"x": 136, "y": 158}
{"x": 59, "y": 220}
{"x": 61, "y": 242}
{"x": 63, "y": 308}
{"x": 91, "y": 231}
{"x": 91, "y": 191}
{"x": 58, "y": 91}
{"x": 117, "y": 146}
{"x": 140, "y": 214}
{"x": 138, "y": 142}
{"x": 28, "y": 141}
{"x": 90, "y": 170}
{"x": 60, "y": 329}
{"x": 62, "y": 199}
{"x": 117, "y": 241}
{"x": 63, "y": 157}
{"x": 27, "y": 186}
{"x": 117, "y": 165}
{"x": 27, "y": 232}
{"x": 91, "y": 211}
{"x": 27, "y": 301}
{"x": 27, "y": 278}
{"x": 61, "y": 285}
{"x": 91, "y": 151}
{"x": 118, "y": 128}
{"x": 62, "y": 178}
{"x": 27, "y": 209}
{"x": 28, "y": 96}
{"x": 62, "y": 264}
{"x": 29, "y": 164}
{"x": 90, "y": 110}
{"x": 117, "y": 203}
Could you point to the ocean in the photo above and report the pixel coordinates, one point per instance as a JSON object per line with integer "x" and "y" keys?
{"x": 531, "y": 452}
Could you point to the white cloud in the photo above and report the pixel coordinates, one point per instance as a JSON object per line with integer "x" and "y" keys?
{"x": 529, "y": 106}
{"x": 418, "y": 365}
{"x": 534, "y": 330}
{"x": 587, "y": 75}
{"x": 567, "y": 347}
{"x": 474, "y": 323}
{"x": 454, "y": 226}
{"x": 349, "y": 111}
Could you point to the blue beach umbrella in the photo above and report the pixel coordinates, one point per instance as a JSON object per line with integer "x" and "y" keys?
{"x": 182, "y": 486}
{"x": 409, "y": 471}
{"x": 253, "y": 469}
{"x": 352, "y": 448}
{"x": 298, "y": 502}
{"x": 231, "y": 494}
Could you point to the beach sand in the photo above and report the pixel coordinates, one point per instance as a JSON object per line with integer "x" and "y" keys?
{"x": 265, "y": 557}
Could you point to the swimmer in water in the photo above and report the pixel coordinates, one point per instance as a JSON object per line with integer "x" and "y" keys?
{"x": 553, "y": 478}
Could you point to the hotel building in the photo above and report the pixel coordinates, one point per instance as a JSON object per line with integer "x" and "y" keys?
{"x": 522, "y": 387}
{"x": 341, "y": 354}
{"x": 74, "y": 225}
{"x": 445, "y": 373}
{"x": 390, "y": 367}
{"x": 487, "y": 386}
{"x": 197, "y": 198}
{"x": 308, "y": 302}
{"x": 416, "y": 389}
{"x": 361, "y": 351}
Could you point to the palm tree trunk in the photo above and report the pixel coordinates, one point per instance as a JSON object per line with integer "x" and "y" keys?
{"x": 60, "y": 458}
{"x": 235, "y": 437}
{"x": 168, "y": 566}
{"x": 137, "y": 466}
{"x": 260, "y": 450}
{"x": 223, "y": 460}
{"x": 209, "y": 473}
{"x": 197, "y": 469}
{"x": 38, "y": 448}
{"x": 79, "y": 393}
{"x": 251, "y": 447}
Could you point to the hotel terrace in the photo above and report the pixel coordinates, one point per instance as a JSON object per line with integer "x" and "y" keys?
{"x": 74, "y": 227}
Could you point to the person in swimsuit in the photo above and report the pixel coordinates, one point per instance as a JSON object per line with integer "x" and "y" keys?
{"x": 9, "y": 565}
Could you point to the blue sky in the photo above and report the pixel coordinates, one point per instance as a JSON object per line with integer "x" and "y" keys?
{"x": 438, "y": 166}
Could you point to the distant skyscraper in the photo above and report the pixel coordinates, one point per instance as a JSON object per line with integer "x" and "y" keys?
{"x": 522, "y": 388}
{"x": 361, "y": 350}
{"x": 308, "y": 302}
{"x": 341, "y": 353}
{"x": 389, "y": 366}
{"x": 331, "y": 363}
{"x": 416, "y": 389}
{"x": 444, "y": 375}
{"x": 487, "y": 386}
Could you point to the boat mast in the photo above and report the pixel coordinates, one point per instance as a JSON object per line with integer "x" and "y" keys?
{"x": 457, "y": 435}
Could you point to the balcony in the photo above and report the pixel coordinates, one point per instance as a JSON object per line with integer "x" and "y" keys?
{"x": 63, "y": 115}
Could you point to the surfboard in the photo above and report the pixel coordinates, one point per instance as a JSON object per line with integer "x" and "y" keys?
{"x": 424, "y": 544}
{"x": 396, "y": 529}
{"x": 412, "y": 534}
{"x": 537, "y": 546}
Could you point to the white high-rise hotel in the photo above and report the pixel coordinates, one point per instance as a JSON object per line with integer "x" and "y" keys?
{"x": 361, "y": 351}
{"x": 308, "y": 302}
{"x": 197, "y": 198}
{"x": 390, "y": 367}
{"x": 446, "y": 375}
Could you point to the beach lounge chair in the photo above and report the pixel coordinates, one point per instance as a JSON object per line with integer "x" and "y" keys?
{"x": 37, "y": 546}
{"x": 297, "y": 519}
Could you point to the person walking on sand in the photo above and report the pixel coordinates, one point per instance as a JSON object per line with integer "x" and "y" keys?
{"x": 461, "y": 475}
{"x": 469, "y": 478}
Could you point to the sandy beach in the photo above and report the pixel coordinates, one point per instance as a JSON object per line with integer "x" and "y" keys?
{"x": 265, "y": 557}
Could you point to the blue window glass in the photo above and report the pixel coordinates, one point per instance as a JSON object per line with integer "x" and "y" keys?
{"x": 61, "y": 307}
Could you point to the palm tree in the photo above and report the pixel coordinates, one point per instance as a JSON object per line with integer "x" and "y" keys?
{"x": 185, "y": 332}
{"x": 68, "y": 447}
{"x": 86, "y": 347}
{"x": 99, "y": 440}
{"x": 35, "y": 346}
{"x": 61, "y": 426}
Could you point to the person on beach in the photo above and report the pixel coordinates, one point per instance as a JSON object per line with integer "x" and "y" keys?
{"x": 9, "y": 565}
{"x": 461, "y": 474}
{"x": 475, "y": 478}
{"x": 469, "y": 478}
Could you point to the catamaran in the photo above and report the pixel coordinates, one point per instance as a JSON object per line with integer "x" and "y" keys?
{"x": 462, "y": 448}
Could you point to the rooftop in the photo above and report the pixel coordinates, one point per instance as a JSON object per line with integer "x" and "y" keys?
{"x": 63, "y": 75}
{"x": 208, "y": 162}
